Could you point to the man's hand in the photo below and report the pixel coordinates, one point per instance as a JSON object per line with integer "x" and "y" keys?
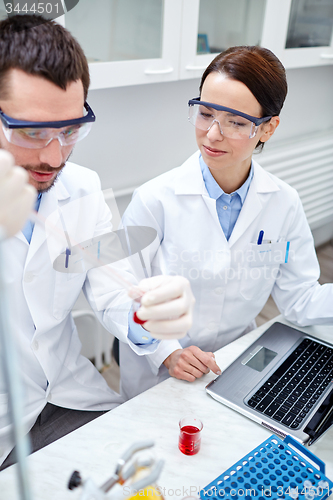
{"x": 16, "y": 196}
{"x": 166, "y": 306}
{"x": 191, "y": 363}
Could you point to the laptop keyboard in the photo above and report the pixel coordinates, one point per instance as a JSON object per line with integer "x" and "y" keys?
{"x": 294, "y": 388}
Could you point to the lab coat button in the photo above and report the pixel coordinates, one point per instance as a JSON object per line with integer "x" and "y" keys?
{"x": 211, "y": 325}
{"x": 28, "y": 277}
{"x": 219, "y": 291}
{"x": 35, "y": 345}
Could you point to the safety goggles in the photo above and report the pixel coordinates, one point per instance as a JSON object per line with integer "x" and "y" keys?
{"x": 37, "y": 135}
{"x": 232, "y": 123}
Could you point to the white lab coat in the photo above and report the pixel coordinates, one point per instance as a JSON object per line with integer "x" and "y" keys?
{"x": 229, "y": 292}
{"x": 40, "y": 301}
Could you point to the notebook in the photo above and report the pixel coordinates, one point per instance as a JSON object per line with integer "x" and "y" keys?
{"x": 283, "y": 381}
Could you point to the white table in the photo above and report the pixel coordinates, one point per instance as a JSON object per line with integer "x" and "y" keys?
{"x": 94, "y": 449}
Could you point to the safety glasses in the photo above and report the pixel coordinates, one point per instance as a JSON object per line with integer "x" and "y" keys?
{"x": 232, "y": 123}
{"x": 37, "y": 135}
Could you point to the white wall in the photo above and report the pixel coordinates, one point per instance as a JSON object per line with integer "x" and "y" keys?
{"x": 142, "y": 131}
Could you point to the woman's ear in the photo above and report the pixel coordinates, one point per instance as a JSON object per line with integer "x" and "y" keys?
{"x": 269, "y": 128}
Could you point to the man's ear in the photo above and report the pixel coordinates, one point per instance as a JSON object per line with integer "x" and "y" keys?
{"x": 269, "y": 128}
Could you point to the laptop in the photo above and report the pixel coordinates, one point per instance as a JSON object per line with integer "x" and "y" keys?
{"x": 283, "y": 381}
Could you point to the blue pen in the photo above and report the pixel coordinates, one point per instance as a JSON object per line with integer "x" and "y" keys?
{"x": 68, "y": 253}
{"x": 260, "y": 237}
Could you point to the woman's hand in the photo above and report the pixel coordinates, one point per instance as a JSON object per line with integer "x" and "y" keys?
{"x": 191, "y": 363}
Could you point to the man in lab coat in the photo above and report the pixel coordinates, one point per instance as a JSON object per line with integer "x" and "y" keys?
{"x": 44, "y": 80}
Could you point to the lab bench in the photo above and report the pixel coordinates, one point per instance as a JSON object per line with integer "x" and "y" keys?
{"x": 94, "y": 449}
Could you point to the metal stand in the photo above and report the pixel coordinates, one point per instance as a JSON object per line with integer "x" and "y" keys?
{"x": 11, "y": 374}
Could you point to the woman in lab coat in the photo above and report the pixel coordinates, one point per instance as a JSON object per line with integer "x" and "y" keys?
{"x": 237, "y": 232}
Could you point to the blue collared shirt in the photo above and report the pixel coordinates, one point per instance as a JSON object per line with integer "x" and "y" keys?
{"x": 137, "y": 334}
{"x": 228, "y": 206}
{"x": 29, "y": 225}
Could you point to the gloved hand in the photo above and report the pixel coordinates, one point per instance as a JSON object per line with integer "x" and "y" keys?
{"x": 16, "y": 196}
{"x": 166, "y": 306}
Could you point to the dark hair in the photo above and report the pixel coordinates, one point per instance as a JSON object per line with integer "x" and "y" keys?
{"x": 42, "y": 48}
{"x": 260, "y": 70}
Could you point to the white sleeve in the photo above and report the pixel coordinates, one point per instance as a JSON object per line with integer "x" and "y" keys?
{"x": 165, "y": 348}
{"x": 297, "y": 293}
{"x": 106, "y": 297}
{"x": 139, "y": 214}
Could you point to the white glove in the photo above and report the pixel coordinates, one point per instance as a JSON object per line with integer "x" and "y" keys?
{"x": 166, "y": 306}
{"x": 16, "y": 196}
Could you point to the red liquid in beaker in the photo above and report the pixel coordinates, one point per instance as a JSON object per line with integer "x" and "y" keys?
{"x": 189, "y": 440}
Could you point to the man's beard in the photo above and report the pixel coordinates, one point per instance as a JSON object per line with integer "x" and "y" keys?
{"x": 40, "y": 191}
{"x": 45, "y": 168}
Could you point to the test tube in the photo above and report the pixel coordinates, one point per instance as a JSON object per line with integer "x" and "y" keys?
{"x": 136, "y": 306}
{"x": 133, "y": 291}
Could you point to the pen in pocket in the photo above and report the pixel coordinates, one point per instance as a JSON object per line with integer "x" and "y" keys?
{"x": 260, "y": 237}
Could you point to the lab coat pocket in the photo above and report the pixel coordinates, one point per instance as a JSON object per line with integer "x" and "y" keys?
{"x": 66, "y": 291}
{"x": 268, "y": 254}
{"x": 258, "y": 274}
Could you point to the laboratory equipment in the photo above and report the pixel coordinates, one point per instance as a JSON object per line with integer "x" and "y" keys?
{"x": 190, "y": 435}
{"x": 274, "y": 469}
{"x": 80, "y": 257}
{"x": 9, "y": 365}
{"x": 133, "y": 468}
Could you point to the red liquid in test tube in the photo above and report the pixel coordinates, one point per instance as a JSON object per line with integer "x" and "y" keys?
{"x": 136, "y": 319}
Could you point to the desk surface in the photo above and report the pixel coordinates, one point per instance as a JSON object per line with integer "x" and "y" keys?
{"x": 94, "y": 449}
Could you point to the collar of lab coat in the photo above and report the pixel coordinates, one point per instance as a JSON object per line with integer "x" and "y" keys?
{"x": 49, "y": 204}
{"x": 190, "y": 182}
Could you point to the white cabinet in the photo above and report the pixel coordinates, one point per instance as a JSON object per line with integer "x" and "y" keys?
{"x": 211, "y": 26}
{"x": 3, "y": 13}
{"x": 131, "y": 42}
{"x": 128, "y": 42}
{"x": 299, "y": 32}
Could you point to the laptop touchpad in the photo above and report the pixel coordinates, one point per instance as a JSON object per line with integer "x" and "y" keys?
{"x": 259, "y": 358}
